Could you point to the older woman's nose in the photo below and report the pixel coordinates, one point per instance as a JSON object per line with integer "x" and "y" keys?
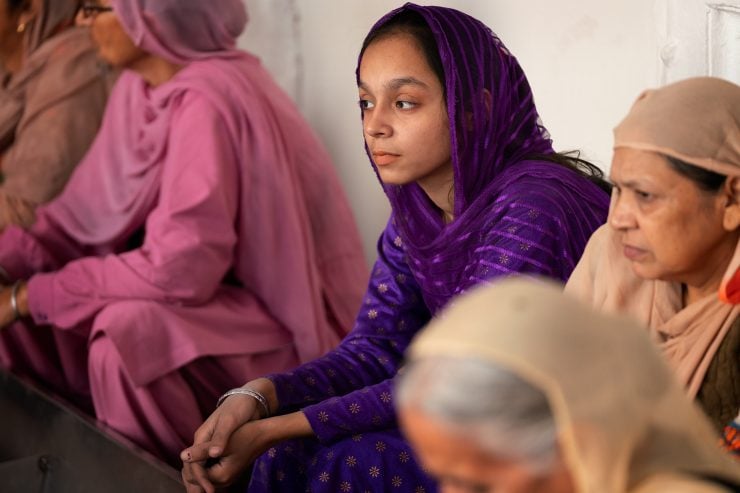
{"x": 622, "y": 215}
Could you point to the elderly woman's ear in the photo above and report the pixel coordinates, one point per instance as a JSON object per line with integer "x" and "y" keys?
{"x": 29, "y": 13}
{"x": 731, "y": 190}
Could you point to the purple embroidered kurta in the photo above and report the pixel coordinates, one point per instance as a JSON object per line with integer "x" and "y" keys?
{"x": 539, "y": 225}
{"x": 514, "y": 214}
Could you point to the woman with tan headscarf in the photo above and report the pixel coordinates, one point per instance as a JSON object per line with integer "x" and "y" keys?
{"x": 518, "y": 387}
{"x": 671, "y": 242}
{"x": 52, "y": 95}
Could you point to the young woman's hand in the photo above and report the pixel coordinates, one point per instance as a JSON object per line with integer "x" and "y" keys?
{"x": 202, "y": 473}
{"x": 215, "y": 432}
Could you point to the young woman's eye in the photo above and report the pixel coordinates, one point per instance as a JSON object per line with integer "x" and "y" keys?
{"x": 405, "y": 105}
{"x": 366, "y": 104}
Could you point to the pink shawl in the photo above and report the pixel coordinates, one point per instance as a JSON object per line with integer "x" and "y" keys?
{"x": 298, "y": 249}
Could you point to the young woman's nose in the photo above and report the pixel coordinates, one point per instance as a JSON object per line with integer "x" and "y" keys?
{"x": 376, "y": 123}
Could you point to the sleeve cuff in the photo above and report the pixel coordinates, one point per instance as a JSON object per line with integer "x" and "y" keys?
{"x": 41, "y": 298}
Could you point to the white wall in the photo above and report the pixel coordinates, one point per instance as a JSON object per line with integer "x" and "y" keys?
{"x": 586, "y": 60}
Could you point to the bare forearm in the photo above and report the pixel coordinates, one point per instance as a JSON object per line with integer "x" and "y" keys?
{"x": 287, "y": 426}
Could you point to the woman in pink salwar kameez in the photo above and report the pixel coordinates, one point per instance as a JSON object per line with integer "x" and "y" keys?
{"x": 203, "y": 241}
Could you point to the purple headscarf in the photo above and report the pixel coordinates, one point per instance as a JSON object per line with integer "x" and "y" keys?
{"x": 183, "y": 31}
{"x": 493, "y": 146}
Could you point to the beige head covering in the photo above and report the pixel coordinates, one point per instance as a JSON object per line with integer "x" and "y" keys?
{"x": 622, "y": 420}
{"x": 695, "y": 120}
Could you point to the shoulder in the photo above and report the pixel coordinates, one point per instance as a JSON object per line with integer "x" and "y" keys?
{"x": 69, "y": 56}
{"x": 679, "y": 483}
{"x": 550, "y": 183}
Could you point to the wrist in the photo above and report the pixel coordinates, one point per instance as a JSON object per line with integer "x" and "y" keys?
{"x": 265, "y": 387}
{"x": 22, "y": 299}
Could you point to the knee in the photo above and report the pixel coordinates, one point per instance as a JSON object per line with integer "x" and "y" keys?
{"x": 123, "y": 314}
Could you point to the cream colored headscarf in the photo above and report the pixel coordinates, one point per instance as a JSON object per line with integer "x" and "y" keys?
{"x": 623, "y": 422}
{"x": 697, "y": 121}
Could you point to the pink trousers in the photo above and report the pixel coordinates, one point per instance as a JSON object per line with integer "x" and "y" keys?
{"x": 161, "y": 416}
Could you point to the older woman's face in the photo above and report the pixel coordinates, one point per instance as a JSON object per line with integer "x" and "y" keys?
{"x": 114, "y": 44}
{"x": 670, "y": 229}
{"x": 462, "y": 467}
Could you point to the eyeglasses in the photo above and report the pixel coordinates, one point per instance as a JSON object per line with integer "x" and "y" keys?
{"x": 91, "y": 10}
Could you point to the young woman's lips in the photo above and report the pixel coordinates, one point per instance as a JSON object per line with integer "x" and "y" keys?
{"x": 384, "y": 158}
{"x": 633, "y": 253}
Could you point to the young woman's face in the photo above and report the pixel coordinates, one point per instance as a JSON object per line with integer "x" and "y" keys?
{"x": 114, "y": 45}
{"x": 670, "y": 229}
{"x": 461, "y": 466}
{"x": 404, "y": 114}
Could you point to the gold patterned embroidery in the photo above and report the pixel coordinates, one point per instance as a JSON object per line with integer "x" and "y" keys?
{"x": 398, "y": 242}
{"x": 331, "y": 372}
{"x": 504, "y": 259}
{"x": 330, "y": 455}
{"x": 380, "y": 446}
{"x": 323, "y": 416}
{"x": 404, "y": 457}
{"x": 524, "y": 247}
{"x": 377, "y": 420}
{"x": 356, "y": 438}
{"x": 420, "y": 489}
{"x": 397, "y": 481}
{"x": 354, "y": 408}
{"x": 272, "y": 453}
{"x": 374, "y": 471}
{"x": 533, "y": 214}
{"x": 351, "y": 461}
{"x": 345, "y": 486}
{"x": 382, "y": 287}
{"x": 385, "y": 397}
{"x": 372, "y": 314}
{"x": 324, "y": 477}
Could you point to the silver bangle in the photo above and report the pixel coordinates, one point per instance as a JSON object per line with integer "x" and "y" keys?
{"x": 14, "y": 299}
{"x": 252, "y": 393}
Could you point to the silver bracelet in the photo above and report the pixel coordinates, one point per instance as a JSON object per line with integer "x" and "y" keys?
{"x": 14, "y": 299}
{"x": 252, "y": 393}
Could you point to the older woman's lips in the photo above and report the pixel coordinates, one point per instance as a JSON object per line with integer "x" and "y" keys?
{"x": 633, "y": 253}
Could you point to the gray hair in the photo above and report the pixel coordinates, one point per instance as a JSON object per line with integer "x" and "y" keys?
{"x": 496, "y": 409}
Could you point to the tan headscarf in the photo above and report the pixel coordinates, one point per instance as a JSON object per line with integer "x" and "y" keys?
{"x": 50, "y": 109}
{"x": 623, "y": 423}
{"x": 697, "y": 121}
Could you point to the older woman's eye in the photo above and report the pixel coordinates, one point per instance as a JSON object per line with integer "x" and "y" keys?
{"x": 643, "y": 195}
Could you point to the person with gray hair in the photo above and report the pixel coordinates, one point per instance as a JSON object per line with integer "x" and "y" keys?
{"x": 517, "y": 387}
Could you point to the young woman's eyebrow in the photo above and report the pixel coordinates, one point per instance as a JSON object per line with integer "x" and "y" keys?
{"x": 398, "y": 83}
